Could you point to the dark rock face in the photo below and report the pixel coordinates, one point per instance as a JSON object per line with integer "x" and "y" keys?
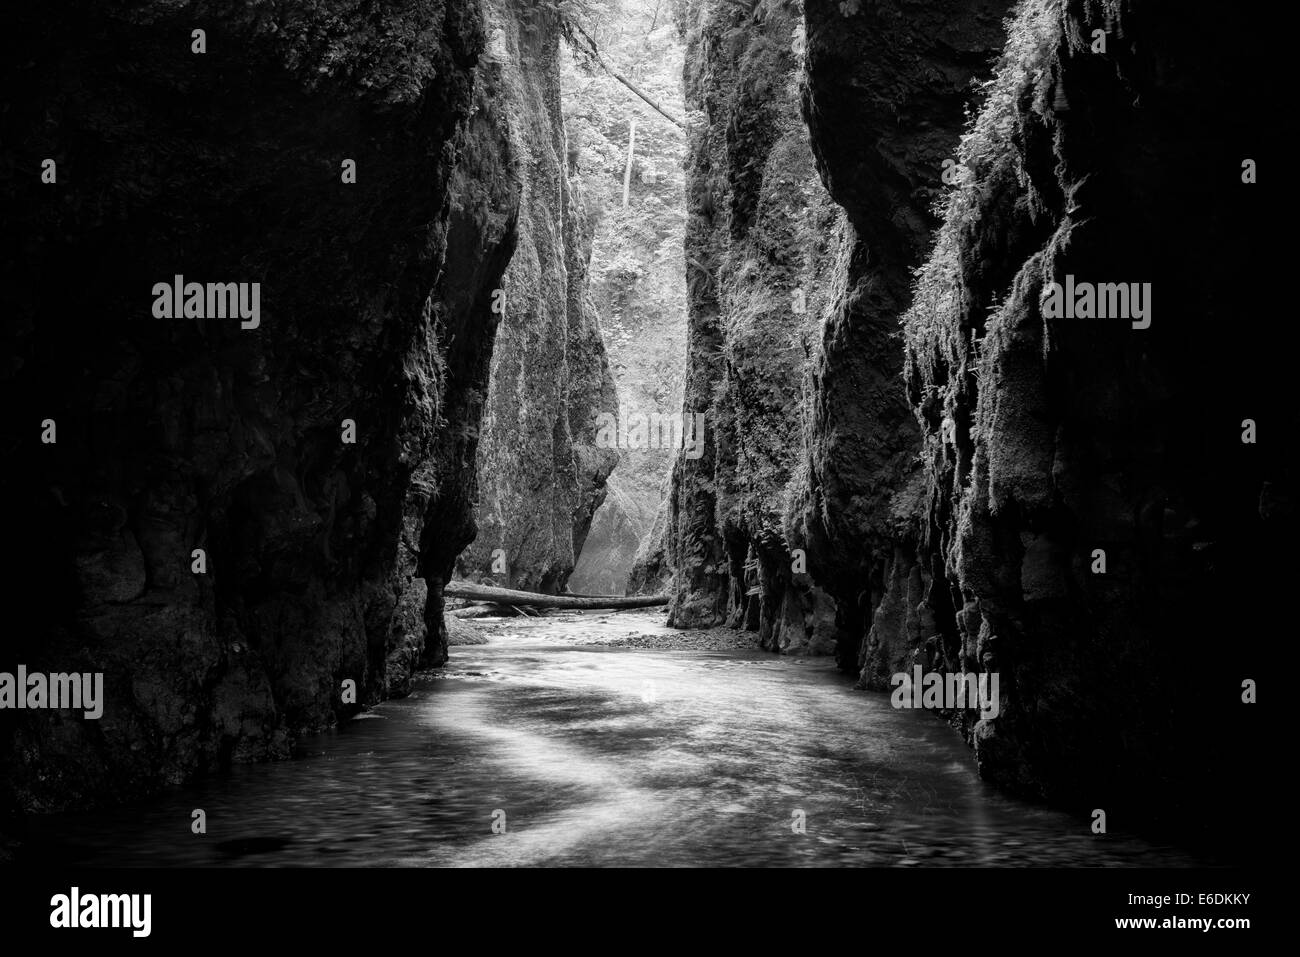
{"x": 651, "y": 574}
{"x": 181, "y": 434}
{"x": 540, "y": 475}
{"x": 964, "y": 455}
{"x": 761, "y": 245}
{"x": 884, "y": 97}
{"x": 482, "y": 236}
{"x": 1048, "y": 440}
{"x": 810, "y": 479}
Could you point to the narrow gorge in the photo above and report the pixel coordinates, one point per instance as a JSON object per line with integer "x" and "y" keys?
{"x": 933, "y": 321}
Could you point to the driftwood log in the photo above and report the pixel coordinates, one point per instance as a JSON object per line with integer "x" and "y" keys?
{"x": 508, "y": 596}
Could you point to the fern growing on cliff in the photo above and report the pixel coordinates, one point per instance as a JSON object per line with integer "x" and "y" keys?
{"x": 938, "y": 310}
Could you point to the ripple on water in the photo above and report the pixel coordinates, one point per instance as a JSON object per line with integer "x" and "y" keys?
{"x": 609, "y": 756}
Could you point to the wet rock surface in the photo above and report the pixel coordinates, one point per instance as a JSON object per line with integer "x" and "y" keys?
{"x": 323, "y": 557}
{"x": 540, "y": 476}
{"x": 963, "y": 453}
{"x": 762, "y": 245}
{"x": 1091, "y": 511}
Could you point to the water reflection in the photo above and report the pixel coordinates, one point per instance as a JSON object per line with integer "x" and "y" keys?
{"x": 608, "y": 756}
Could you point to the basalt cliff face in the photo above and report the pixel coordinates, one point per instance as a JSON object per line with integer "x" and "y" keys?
{"x": 323, "y": 461}
{"x": 886, "y": 86}
{"x": 792, "y": 517}
{"x": 541, "y": 476}
{"x": 1095, "y": 502}
{"x": 762, "y": 246}
{"x": 981, "y": 482}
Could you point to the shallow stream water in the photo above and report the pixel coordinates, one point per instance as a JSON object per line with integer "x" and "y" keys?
{"x": 541, "y": 748}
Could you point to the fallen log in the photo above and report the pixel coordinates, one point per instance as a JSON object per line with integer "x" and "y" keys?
{"x": 508, "y": 596}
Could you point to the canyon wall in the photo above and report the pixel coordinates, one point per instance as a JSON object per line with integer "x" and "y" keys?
{"x": 977, "y": 484}
{"x": 322, "y": 461}
{"x": 1094, "y": 512}
{"x": 651, "y": 574}
{"x": 541, "y": 477}
{"x": 762, "y": 244}
{"x": 789, "y": 523}
{"x": 885, "y": 89}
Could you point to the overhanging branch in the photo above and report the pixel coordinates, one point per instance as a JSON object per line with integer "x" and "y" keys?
{"x": 582, "y": 40}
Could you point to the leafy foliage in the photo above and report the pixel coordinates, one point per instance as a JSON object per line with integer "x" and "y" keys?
{"x": 638, "y": 270}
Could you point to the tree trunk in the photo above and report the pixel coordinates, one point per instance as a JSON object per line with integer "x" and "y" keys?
{"x": 508, "y": 596}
